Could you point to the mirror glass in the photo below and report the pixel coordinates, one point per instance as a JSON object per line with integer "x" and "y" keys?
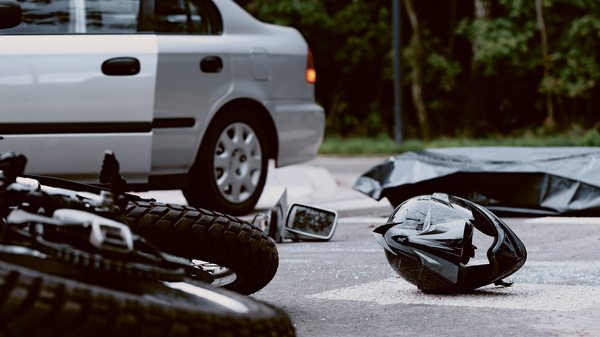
{"x": 309, "y": 222}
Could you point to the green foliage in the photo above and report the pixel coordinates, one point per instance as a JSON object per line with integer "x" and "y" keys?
{"x": 290, "y": 13}
{"x": 502, "y": 42}
{"x": 591, "y": 138}
{"x": 443, "y": 70}
{"x": 575, "y": 70}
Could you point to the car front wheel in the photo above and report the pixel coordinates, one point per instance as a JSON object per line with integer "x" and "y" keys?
{"x": 231, "y": 168}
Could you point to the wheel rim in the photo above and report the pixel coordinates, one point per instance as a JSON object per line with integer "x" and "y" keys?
{"x": 237, "y": 163}
{"x": 222, "y": 276}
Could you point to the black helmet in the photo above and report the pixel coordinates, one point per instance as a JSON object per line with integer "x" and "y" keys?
{"x": 428, "y": 241}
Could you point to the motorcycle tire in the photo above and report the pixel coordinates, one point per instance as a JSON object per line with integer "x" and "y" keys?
{"x": 200, "y": 234}
{"x": 34, "y": 303}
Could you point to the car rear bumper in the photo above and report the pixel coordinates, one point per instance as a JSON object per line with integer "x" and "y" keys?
{"x": 300, "y": 129}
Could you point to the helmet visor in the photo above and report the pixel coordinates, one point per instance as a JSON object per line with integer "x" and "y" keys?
{"x": 506, "y": 255}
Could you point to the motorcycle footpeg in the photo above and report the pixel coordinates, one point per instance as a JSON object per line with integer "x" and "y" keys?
{"x": 111, "y": 237}
{"x": 104, "y": 234}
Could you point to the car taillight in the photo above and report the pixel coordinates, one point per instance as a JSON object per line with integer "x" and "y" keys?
{"x": 311, "y": 74}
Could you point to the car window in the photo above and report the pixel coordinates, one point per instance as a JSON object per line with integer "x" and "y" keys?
{"x": 77, "y": 17}
{"x": 187, "y": 17}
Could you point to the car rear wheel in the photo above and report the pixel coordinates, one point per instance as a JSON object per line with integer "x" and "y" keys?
{"x": 231, "y": 167}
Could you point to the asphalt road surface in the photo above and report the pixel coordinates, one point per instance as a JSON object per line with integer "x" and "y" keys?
{"x": 345, "y": 287}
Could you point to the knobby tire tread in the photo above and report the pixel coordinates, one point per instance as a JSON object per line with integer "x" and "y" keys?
{"x": 205, "y": 235}
{"x": 34, "y": 303}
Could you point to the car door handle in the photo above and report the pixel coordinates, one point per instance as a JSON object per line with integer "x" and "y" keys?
{"x": 121, "y": 66}
{"x": 211, "y": 64}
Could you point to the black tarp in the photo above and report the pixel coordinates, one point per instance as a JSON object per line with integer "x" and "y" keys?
{"x": 507, "y": 180}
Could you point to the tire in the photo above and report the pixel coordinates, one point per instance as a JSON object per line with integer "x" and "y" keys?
{"x": 33, "y": 303}
{"x": 231, "y": 167}
{"x": 214, "y": 237}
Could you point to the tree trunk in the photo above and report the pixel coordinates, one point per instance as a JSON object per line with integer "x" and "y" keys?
{"x": 475, "y": 119}
{"x": 417, "y": 71}
{"x": 549, "y": 121}
{"x": 452, "y": 28}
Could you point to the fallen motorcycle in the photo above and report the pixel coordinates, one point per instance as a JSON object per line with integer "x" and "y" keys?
{"x": 238, "y": 255}
{"x": 70, "y": 266}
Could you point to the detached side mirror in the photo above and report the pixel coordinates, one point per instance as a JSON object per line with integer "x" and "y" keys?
{"x": 299, "y": 222}
{"x": 306, "y": 222}
{"x": 10, "y": 14}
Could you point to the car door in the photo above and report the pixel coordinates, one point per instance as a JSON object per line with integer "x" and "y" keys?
{"x": 193, "y": 73}
{"x": 76, "y": 80}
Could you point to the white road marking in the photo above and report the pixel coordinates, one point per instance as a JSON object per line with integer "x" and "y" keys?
{"x": 358, "y": 220}
{"x": 564, "y": 220}
{"x": 521, "y": 296}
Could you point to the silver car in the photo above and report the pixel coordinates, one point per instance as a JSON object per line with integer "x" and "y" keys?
{"x": 190, "y": 94}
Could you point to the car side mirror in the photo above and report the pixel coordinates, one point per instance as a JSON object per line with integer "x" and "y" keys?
{"x": 300, "y": 222}
{"x": 306, "y": 222}
{"x": 10, "y": 14}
